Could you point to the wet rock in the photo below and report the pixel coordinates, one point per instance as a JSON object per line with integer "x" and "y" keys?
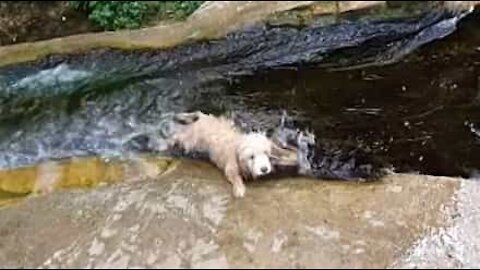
{"x": 213, "y": 20}
{"x": 455, "y": 245}
{"x": 80, "y": 172}
{"x": 210, "y": 22}
{"x": 187, "y": 218}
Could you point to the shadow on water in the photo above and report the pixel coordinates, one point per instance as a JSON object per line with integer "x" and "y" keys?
{"x": 421, "y": 114}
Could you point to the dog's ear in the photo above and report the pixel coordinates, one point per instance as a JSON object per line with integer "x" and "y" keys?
{"x": 241, "y": 161}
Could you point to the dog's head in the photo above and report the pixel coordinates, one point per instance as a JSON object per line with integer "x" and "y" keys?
{"x": 253, "y": 155}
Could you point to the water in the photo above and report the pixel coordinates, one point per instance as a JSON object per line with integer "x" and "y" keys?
{"x": 420, "y": 114}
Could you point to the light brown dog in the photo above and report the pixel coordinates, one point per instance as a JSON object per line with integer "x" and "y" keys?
{"x": 241, "y": 156}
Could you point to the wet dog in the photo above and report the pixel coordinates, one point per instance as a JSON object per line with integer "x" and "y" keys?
{"x": 288, "y": 152}
{"x": 241, "y": 156}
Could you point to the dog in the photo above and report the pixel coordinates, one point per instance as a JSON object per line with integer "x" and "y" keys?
{"x": 241, "y": 156}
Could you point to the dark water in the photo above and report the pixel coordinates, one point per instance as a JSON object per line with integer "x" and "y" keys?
{"x": 421, "y": 114}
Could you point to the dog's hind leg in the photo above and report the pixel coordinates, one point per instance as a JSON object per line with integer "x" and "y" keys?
{"x": 187, "y": 118}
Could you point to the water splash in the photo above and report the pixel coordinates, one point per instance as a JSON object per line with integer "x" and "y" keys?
{"x": 329, "y": 159}
{"x": 54, "y": 78}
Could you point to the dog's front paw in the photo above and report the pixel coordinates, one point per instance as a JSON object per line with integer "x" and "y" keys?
{"x": 239, "y": 191}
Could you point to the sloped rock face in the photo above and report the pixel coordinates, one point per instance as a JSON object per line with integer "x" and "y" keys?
{"x": 456, "y": 245}
{"x": 213, "y": 20}
{"x": 187, "y": 218}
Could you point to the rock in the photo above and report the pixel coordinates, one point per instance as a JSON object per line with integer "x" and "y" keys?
{"x": 213, "y": 20}
{"x": 210, "y": 22}
{"x": 187, "y": 218}
{"x": 460, "y": 5}
{"x": 455, "y": 245}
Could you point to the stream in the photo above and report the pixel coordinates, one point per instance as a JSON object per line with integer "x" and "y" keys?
{"x": 407, "y": 88}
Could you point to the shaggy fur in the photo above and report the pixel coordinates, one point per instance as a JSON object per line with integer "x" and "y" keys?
{"x": 240, "y": 156}
{"x": 244, "y": 156}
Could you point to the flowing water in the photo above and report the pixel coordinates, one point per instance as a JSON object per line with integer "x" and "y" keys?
{"x": 420, "y": 113}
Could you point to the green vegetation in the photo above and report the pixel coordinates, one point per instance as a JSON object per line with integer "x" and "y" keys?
{"x": 114, "y": 15}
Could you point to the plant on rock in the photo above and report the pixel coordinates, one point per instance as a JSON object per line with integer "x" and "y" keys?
{"x": 114, "y": 15}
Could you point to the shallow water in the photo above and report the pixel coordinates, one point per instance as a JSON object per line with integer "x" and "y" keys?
{"x": 85, "y": 172}
{"x": 421, "y": 114}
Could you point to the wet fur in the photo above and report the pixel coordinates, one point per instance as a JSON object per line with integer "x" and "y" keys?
{"x": 227, "y": 147}
{"x": 292, "y": 152}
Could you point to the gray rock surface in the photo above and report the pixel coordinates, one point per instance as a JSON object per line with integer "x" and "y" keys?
{"x": 188, "y": 218}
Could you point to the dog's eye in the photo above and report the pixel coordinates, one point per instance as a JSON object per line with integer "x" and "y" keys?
{"x": 252, "y": 157}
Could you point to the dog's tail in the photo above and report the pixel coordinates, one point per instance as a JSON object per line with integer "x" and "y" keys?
{"x": 187, "y": 118}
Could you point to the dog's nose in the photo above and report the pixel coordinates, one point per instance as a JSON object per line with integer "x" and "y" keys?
{"x": 264, "y": 169}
